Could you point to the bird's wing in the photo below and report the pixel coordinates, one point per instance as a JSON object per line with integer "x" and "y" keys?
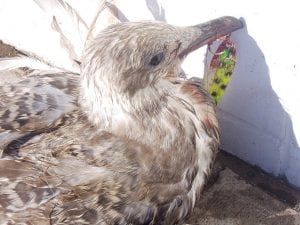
{"x": 33, "y": 101}
{"x": 64, "y": 178}
{"x": 23, "y": 189}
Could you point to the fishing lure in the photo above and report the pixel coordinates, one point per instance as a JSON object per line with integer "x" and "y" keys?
{"x": 220, "y": 69}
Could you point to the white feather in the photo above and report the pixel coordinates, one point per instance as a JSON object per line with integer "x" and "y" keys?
{"x": 24, "y": 61}
{"x": 68, "y": 23}
{"x": 30, "y": 32}
{"x": 53, "y": 31}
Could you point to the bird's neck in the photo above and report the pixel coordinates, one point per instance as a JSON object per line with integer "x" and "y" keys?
{"x": 143, "y": 116}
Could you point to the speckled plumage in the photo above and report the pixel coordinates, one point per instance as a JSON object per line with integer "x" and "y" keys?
{"x": 136, "y": 148}
{"x": 36, "y": 103}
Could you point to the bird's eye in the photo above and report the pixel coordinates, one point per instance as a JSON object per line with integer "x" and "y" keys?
{"x": 155, "y": 60}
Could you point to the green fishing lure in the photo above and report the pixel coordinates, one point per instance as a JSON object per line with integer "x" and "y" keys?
{"x": 220, "y": 69}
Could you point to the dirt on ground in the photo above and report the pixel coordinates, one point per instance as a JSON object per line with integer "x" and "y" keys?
{"x": 7, "y": 51}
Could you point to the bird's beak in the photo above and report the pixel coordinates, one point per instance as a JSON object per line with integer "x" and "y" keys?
{"x": 205, "y": 33}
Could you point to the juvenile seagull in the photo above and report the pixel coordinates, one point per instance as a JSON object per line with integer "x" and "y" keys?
{"x": 136, "y": 149}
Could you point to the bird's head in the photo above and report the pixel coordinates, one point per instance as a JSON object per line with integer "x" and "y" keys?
{"x": 129, "y": 65}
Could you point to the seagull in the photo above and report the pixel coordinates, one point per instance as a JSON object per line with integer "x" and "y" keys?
{"x": 133, "y": 143}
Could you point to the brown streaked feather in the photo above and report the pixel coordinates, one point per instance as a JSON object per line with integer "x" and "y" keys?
{"x": 79, "y": 190}
{"x": 204, "y": 102}
{"x": 35, "y": 103}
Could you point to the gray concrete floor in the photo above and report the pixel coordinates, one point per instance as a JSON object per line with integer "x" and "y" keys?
{"x": 237, "y": 193}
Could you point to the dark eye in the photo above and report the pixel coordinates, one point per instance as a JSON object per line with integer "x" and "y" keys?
{"x": 155, "y": 60}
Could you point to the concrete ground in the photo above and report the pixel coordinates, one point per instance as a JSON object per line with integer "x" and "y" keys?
{"x": 237, "y": 193}
{"x": 240, "y": 194}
